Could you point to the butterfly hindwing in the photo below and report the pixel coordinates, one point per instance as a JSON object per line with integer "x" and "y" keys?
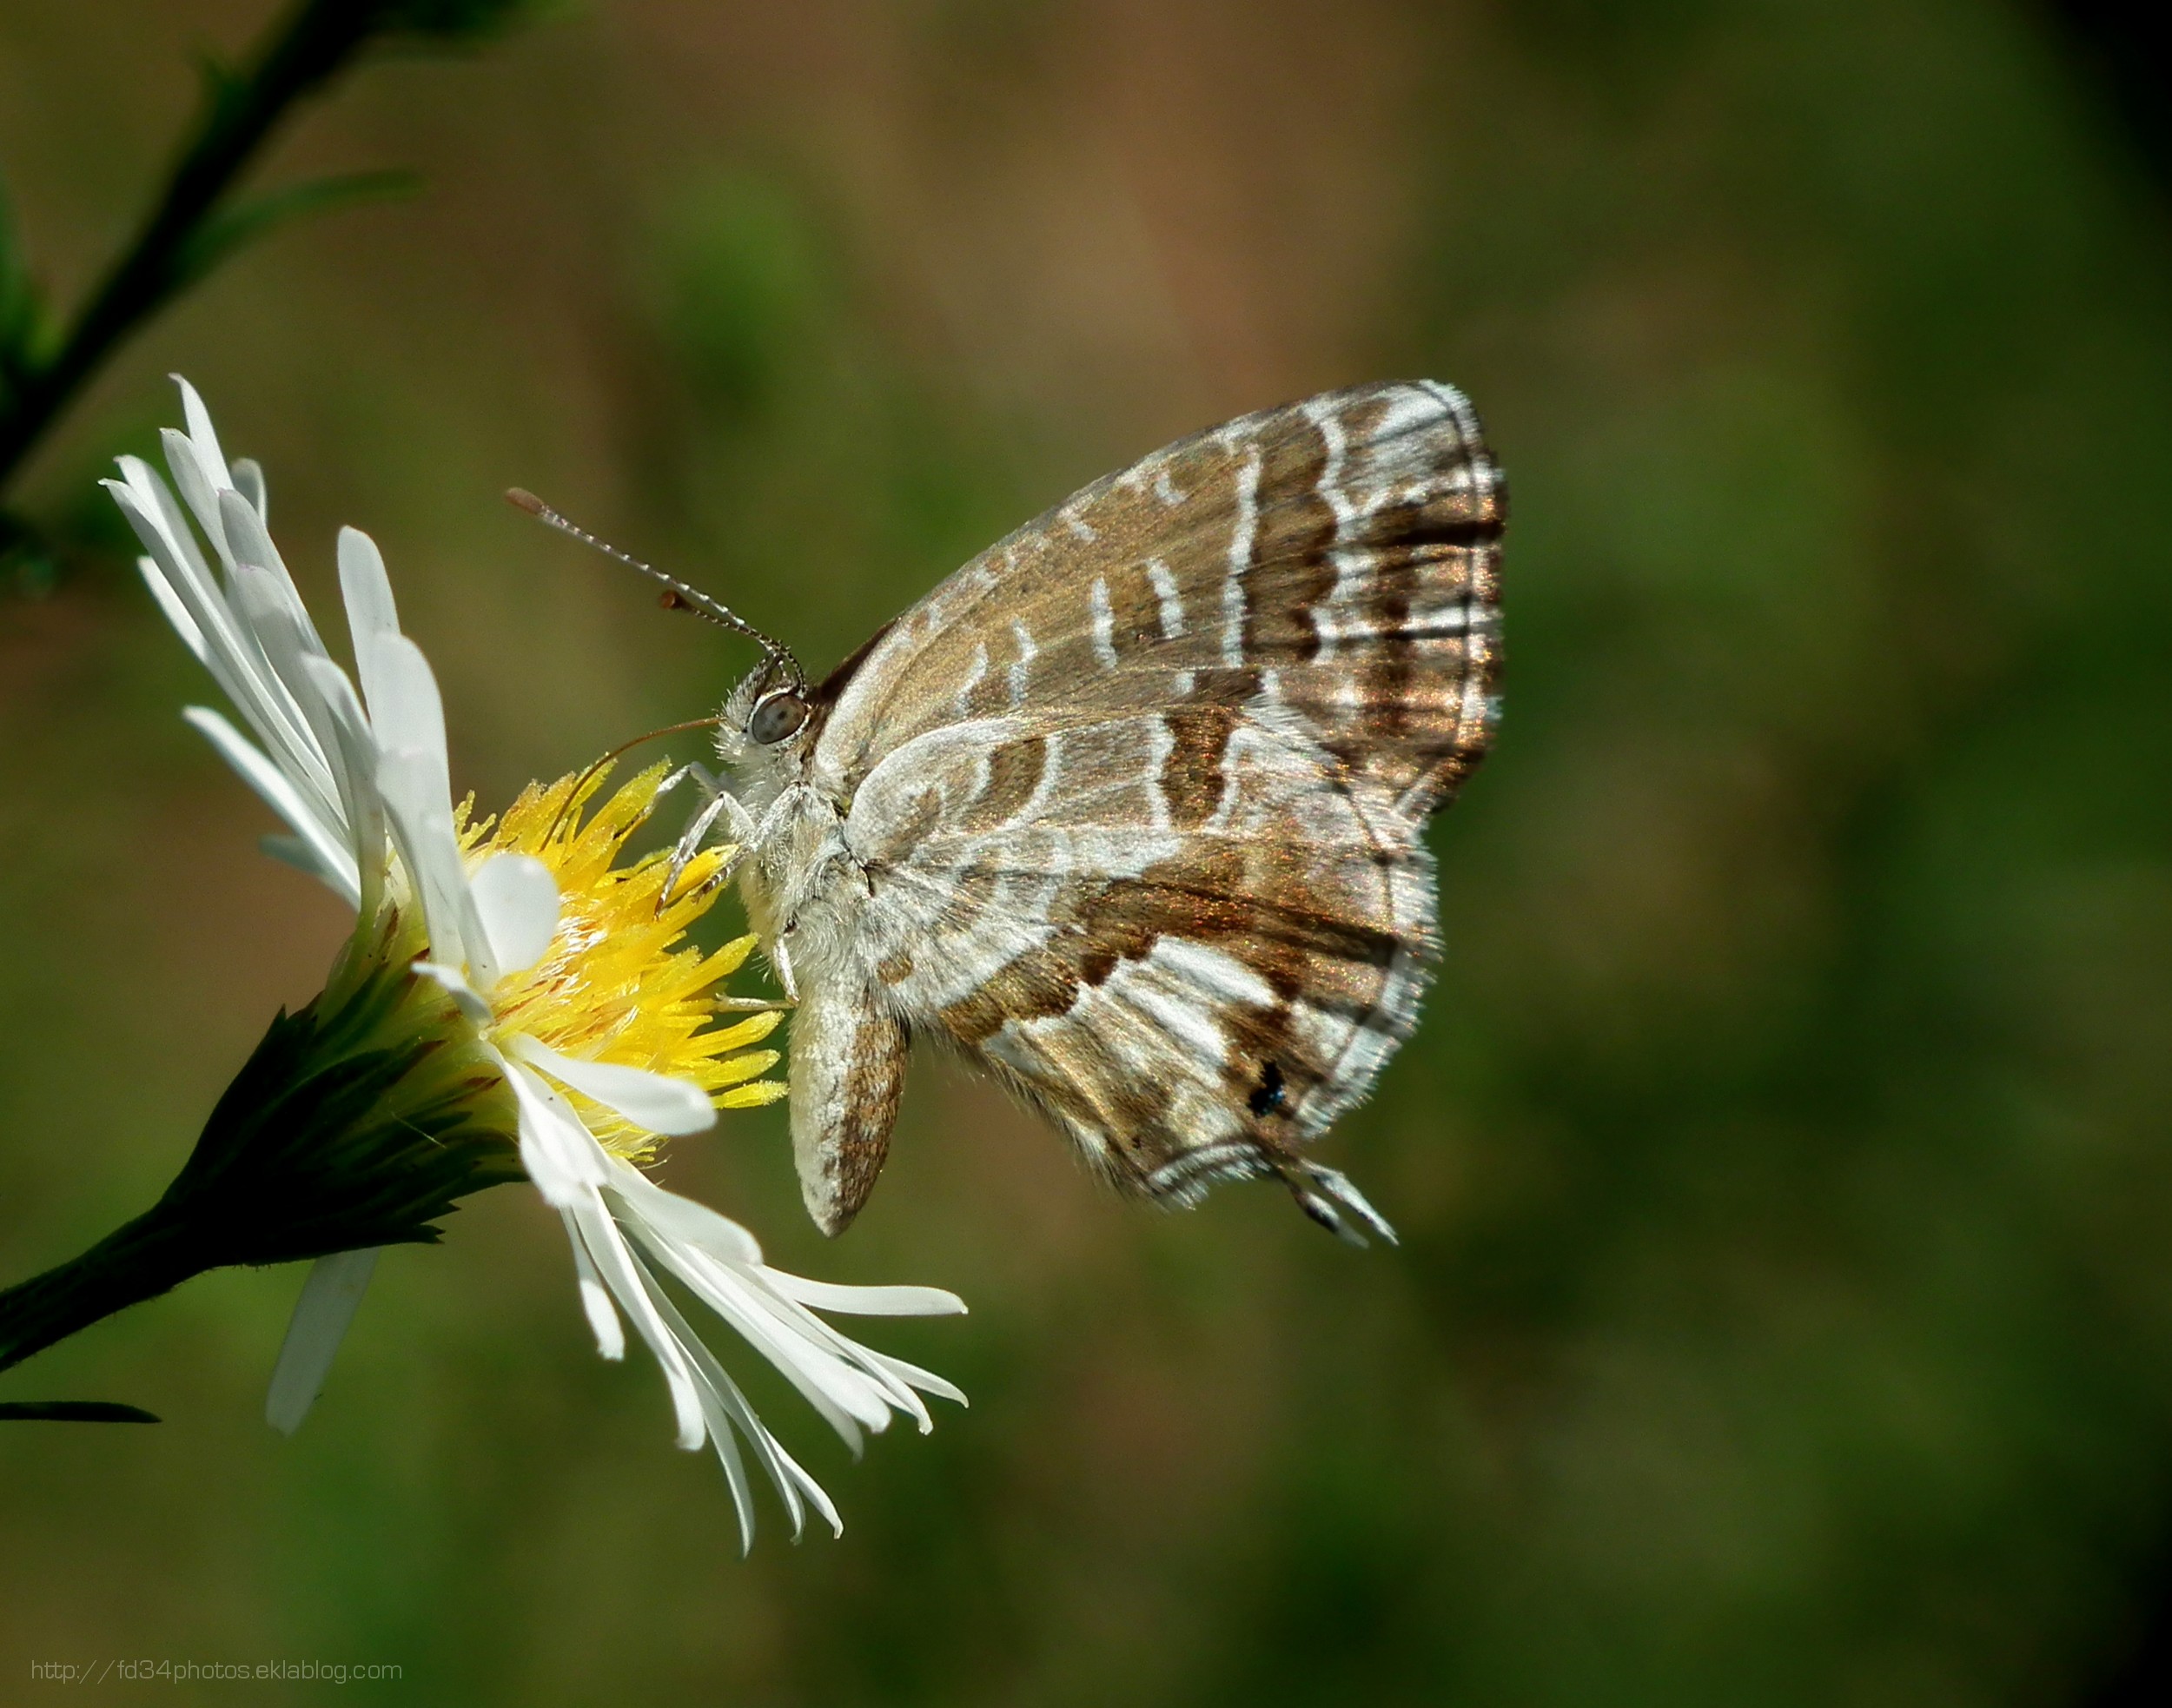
{"x": 1189, "y": 1000}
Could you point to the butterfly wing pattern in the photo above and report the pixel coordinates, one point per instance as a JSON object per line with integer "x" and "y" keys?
{"x": 1132, "y": 804}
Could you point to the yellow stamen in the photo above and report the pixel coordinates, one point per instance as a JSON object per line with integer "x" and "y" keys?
{"x": 616, "y": 985}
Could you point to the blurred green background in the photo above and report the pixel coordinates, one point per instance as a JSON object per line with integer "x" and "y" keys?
{"x": 1785, "y": 1169}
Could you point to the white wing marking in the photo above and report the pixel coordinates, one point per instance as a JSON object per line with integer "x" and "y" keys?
{"x": 1104, "y": 625}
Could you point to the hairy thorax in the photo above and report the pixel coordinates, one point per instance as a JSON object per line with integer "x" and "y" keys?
{"x": 799, "y": 881}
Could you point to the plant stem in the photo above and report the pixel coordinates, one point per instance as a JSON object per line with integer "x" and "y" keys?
{"x": 146, "y": 1257}
{"x": 300, "y": 55}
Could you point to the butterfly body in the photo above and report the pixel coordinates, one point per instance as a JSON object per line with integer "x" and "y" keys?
{"x": 1129, "y": 810}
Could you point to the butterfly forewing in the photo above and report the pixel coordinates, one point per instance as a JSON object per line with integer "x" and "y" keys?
{"x": 1138, "y": 792}
{"x": 1339, "y": 556}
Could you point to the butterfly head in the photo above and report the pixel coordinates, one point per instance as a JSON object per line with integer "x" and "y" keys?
{"x": 767, "y": 719}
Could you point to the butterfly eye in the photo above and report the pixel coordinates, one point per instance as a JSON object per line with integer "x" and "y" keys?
{"x": 778, "y": 716}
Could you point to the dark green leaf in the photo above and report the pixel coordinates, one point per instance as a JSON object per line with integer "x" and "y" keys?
{"x": 454, "y": 22}
{"x": 223, "y": 87}
{"x": 73, "y": 1411}
{"x": 236, "y": 226}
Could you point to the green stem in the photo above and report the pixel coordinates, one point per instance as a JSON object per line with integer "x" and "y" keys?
{"x": 316, "y": 39}
{"x": 149, "y": 1256}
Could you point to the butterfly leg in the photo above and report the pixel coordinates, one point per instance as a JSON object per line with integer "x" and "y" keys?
{"x": 722, "y": 802}
{"x": 707, "y": 784}
{"x": 848, "y": 1069}
{"x": 780, "y": 958}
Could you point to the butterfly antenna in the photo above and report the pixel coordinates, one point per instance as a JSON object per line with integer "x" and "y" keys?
{"x": 678, "y": 595}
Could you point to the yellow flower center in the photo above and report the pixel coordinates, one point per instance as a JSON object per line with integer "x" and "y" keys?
{"x": 618, "y": 984}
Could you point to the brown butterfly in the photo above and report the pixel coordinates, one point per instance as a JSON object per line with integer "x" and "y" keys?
{"x": 1129, "y": 811}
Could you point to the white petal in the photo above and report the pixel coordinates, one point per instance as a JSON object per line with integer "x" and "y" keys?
{"x": 371, "y": 615}
{"x": 728, "y": 1410}
{"x": 630, "y": 1285}
{"x": 368, "y": 589}
{"x": 281, "y": 795}
{"x": 329, "y": 1299}
{"x": 248, "y": 480}
{"x": 818, "y": 1496}
{"x": 517, "y": 900}
{"x": 156, "y": 500}
{"x": 272, "y": 612}
{"x": 926, "y": 1381}
{"x": 246, "y": 534}
{"x": 595, "y": 1300}
{"x": 821, "y": 1363}
{"x": 294, "y": 851}
{"x": 681, "y": 1218}
{"x": 199, "y": 488}
{"x": 456, "y": 987}
{"x": 273, "y": 615}
{"x": 408, "y": 723}
{"x": 561, "y": 1155}
{"x": 866, "y": 1300}
{"x": 252, "y": 544}
{"x": 846, "y": 1399}
{"x": 852, "y": 1385}
{"x": 232, "y": 655}
{"x": 357, "y": 757}
{"x": 405, "y": 705}
{"x": 657, "y": 1102}
{"x": 824, "y": 1340}
{"x": 202, "y": 434}
{"x": 175, "y": 611}
{"x": 407, "y": 713}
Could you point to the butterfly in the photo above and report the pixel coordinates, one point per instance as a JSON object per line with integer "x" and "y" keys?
{"x": 1129, "y": 811}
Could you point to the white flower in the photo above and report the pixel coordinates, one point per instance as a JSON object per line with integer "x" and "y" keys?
{"x": 363, "y": 782}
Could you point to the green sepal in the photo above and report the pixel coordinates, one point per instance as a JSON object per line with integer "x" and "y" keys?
{"x": 356, "y": 1122}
